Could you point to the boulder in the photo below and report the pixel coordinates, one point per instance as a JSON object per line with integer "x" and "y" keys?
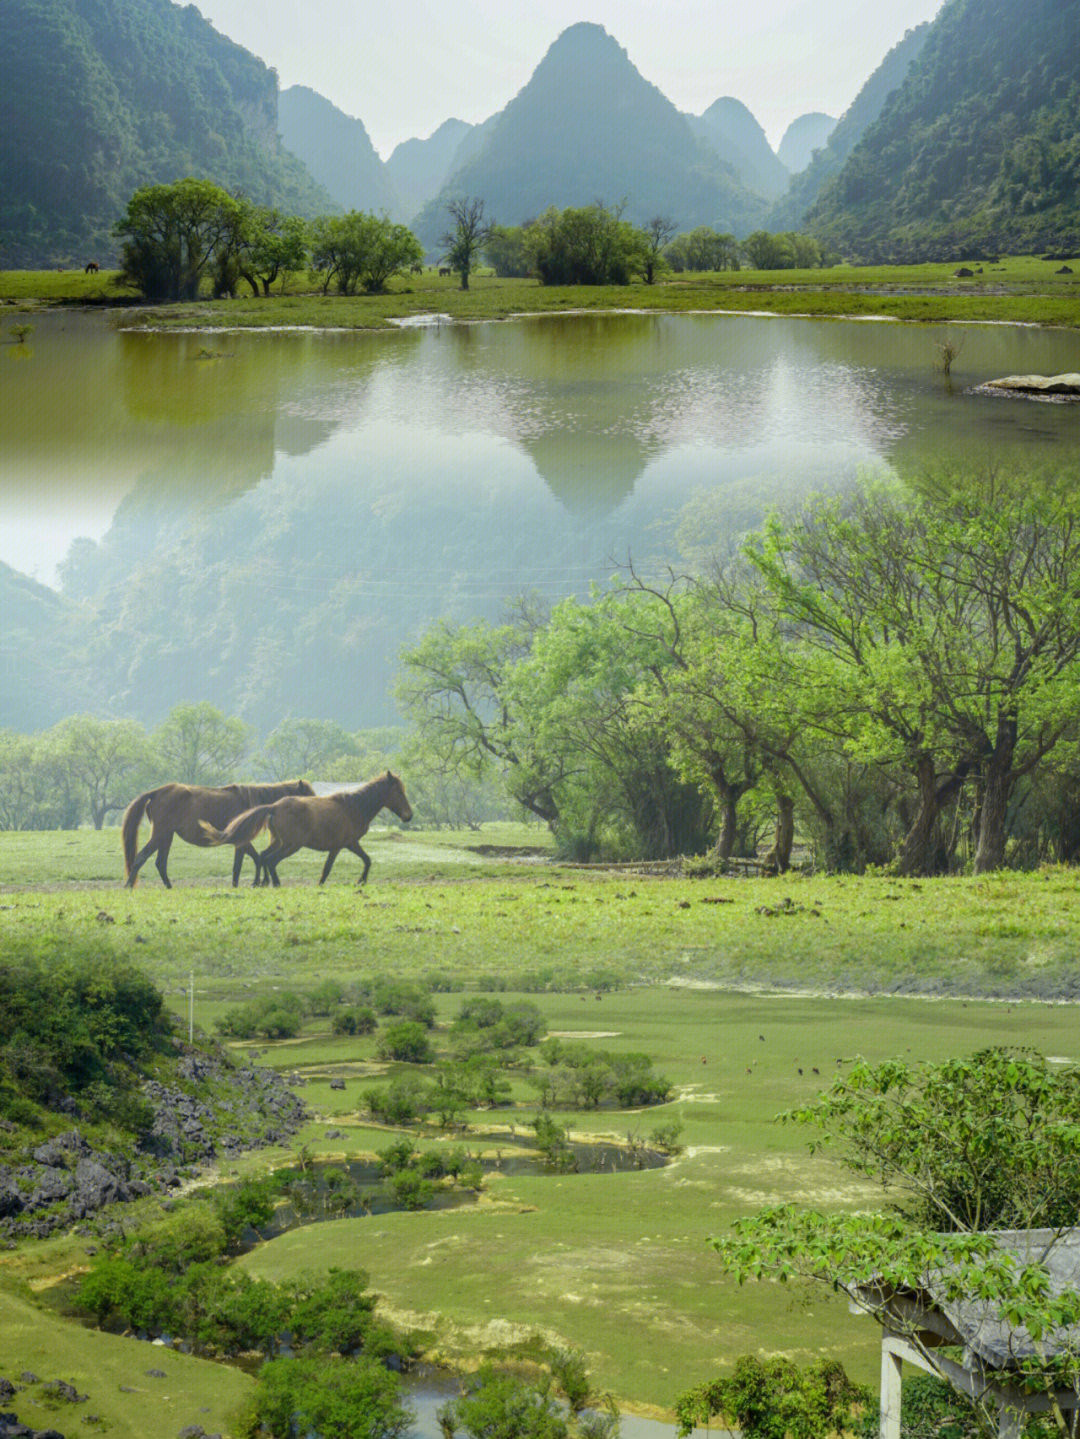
{"x": 1036, "y": 385}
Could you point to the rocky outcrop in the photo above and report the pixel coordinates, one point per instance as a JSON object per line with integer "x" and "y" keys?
{"x": 1035, "y": 387}
{"x": 212, "y": 1111}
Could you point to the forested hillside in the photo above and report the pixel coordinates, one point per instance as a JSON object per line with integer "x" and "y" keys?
{"x": 102, "y": 96}
{"x": 588, "y": 126}
{"x": 827, "y": 161}
{"x": 978, "y": 148}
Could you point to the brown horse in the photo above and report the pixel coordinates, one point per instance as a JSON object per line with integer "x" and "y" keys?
{"x": 92, "y": 267}
{"x": 177, "y": 809}
{"x": 330, "y": 822}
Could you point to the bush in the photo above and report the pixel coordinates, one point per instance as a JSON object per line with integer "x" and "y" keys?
{"x": 359, "y": 1019}
{"x": 406, "y": 1042}
{"x": 337, "y": 1399}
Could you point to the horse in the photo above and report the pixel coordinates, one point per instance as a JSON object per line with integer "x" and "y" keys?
{"x": 177, "y": 809}
{"x": 330, "y": 822}
{"x": 444, "y": 271}
{"x": 92, "y": 268}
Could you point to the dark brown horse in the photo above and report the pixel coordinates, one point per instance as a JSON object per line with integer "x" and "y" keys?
{"x": 92, "y": 267}
{"x": 177, "y": 809}
{"x": 330, "y": 822}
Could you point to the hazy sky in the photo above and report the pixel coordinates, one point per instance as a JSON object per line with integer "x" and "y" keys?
{"x": 405, "y": 66}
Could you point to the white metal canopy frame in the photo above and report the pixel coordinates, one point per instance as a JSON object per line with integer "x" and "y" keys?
{"x": 918, "y": 1323}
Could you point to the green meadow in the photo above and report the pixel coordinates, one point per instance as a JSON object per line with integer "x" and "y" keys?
{"x": 1018, "y": 290}
{"x": 748, "y": 994}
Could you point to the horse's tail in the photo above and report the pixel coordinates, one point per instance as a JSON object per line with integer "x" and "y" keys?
{"x": 241, "y": 830}
{"x": 129, "y": 829}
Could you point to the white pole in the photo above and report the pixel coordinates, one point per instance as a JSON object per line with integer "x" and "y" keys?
{"x": 191, "y": 1010}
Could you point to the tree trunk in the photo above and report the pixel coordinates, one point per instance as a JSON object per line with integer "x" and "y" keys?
{"x": 993, "y": 812}
{"x": 778, "y": 858}
{"x": 918, "y": 853}
{"x": 729, "y": 822}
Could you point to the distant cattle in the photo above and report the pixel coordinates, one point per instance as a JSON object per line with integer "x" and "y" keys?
{"x": 416, "y": 269}
{"x": 92, "y": 267}
{"x": 445, "y": 270}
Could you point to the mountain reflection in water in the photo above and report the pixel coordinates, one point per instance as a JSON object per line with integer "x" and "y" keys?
{"x": 259, "y": 514}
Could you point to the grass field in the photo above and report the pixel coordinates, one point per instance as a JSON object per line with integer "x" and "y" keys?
{"x": 728, "y": 989}
{"x": 1019, "y": 290}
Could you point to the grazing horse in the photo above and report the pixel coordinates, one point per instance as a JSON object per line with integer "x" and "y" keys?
{"x": 330, "y": 822}
{"x": 445, "y": 270}
{"x": 177, "y": 809}
{"x": 92, "y": 268}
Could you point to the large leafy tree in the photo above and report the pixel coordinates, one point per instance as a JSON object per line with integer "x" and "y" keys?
{"x": 947, "y": 626}
{"x": 358, "y": 249}
{"x": 101, "y": 759}
{"x": 197, "y": 744}
{"x": 172, "y": 236}
{"x": 455, "y": 685}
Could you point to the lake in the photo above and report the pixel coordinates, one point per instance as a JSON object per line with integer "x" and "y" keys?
{"x": 253, "y": 515}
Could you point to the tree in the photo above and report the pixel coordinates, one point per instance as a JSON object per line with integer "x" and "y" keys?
{"x": 305, "y": 747}
{"x": 468, "y": 237}
{"x": 703, "y": 249}
{"x": 592, "y": 245}
{"x": 776, "y": 1399}
{"x": 335, "y": 1398}
{"x": 101, "y": 757}
{"x": 174, "y": 233}
{"x": 455, "y": 686}
{"x": 200, "y": 745}
{"x": 657, "y": 232}
{"x": 361, "y": 249}
{"x": 501, "y": 1406}
{"x": 507, "y": 251}
{"x": 949, "y": 624}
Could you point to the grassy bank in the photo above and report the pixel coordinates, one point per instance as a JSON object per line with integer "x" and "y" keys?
{"x": 617, "y": 1265}
{"x": 1020, "y": 290}
{"x": 482, "y": 905}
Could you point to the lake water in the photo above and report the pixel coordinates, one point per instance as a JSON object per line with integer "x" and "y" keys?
{"x": 328, "y": 494}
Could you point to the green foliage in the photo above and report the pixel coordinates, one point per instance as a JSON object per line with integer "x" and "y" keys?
{"x": 988, "y": 1142}
{"x": 337, "y": 1399}
{"x": 588, "y": 246}
{"x": 776, "y": 1399}
{"x": 501, "y": 1406}
{"x": 785, "y": 251}
{"x": 358, "y": 1019}
{"x": 271, "y": 1016}
{"x": 931, "y": 1409}
{"x": 405, "y": 1041}
{"x": 362, "y": 250}
{"x": 703, "y": 249}
{"x": 76, "y": 1019}
{"x": 976, "y": 150}
{"x": 249, "y": 1204}
{"x": 197, "y": 744}
{"x": 173, "y": 235}
{"x": 401, "y": 1102}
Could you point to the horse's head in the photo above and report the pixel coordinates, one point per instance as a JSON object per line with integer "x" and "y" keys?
{"x": 396, "y": 798}
{"x": 302, "y": 787}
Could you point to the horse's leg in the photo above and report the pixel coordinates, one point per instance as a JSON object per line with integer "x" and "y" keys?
{"x": 328, "y": 866}
{"x": 362, "y": 855}
{"x": 238, "y": 864}
{"x": 163, "y": 860}
{"x": 140, "y": 859}
{"x": 265, "y": 871}
{"x": 281, "y": 851}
